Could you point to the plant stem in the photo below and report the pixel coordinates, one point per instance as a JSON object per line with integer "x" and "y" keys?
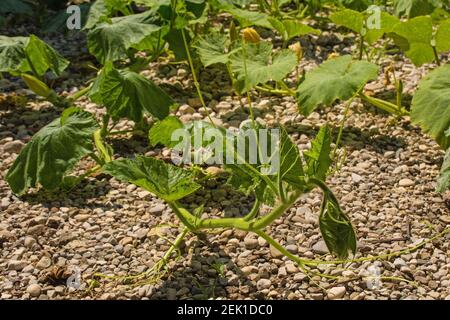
{"x": 276, "y": 212}
{"x": 194, "y": 76}
{"x": 436, "y": 56}
{"x": 77, "y": 95}
{"x": 280, "y": 248}
{"x": 275, "y": 91}
{"x": 384, "y": 105}
{"x": 361, "y": 46}
{"x": 254, "y": 212}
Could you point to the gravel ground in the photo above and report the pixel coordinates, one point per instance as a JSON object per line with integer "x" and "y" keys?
{"x": 103, "y": 226}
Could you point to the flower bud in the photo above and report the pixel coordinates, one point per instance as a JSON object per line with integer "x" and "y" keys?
{"x": 36, "y": 85}
{"x": 250, "y": 35}
{"x": 298, "y": 50}
{"x": 333, "y": 55}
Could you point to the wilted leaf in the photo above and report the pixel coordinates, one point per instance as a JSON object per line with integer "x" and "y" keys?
{"x": 16, "y": 53}
{"x": 336, "y": 228}
{"x": 318, "y": 157}
{"x": 53, "y": 151}
{"x": 110, "y": 41}
{"x": 129, "y": 94}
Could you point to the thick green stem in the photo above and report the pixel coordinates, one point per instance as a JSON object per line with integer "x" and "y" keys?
{"x": 254, "y": 212}
{"x": 276, "y": 212}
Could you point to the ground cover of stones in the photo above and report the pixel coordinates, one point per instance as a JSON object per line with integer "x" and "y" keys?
{"x": 386, "y": 185}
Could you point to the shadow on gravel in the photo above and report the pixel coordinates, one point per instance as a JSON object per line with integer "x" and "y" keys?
{"x": 354, "y": 138}
{"x": 86, "y": 195}
{"x": 204, "y": 276}
{"x": 21, "y": 122}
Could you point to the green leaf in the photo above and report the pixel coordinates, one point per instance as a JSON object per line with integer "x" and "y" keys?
{"x": 338, "y": 78}
{"x": 291, "y": 167}
{"x": 442, "y": 36}
{"x": 318, "y": 157}
{"x": 443, "y": 181}
{"x": 12, "y": 52}
{"x": 98, "y": 12}
{"x": 387, "y": 24}
{"x": 350, "y": 19}
{"x": 161, "y": 131}
{"x": 110, "y": 41}
{"x": 250, "y": 18}
{"x": 213, "y": 48}
{"x": 356, "y": 21}
{"x": 419, "y": 34}
{"x": 16, "y": 53}
{"x": 176, "y": 44}
{"x": 129, "y": 94}
{"x": 336, "y": 228}
{"x": 53, "y": 151}
{"x": 162, "y": 179}
{"x": 414, "y": 8}
{"x": 261, "y": 65}
{"x": 289, "y": 29}
{"x": 43, "y": 57}
{"x": 430, "y": 106}
{"x": 58, "y": 22}
{"x": 16, "y": 6}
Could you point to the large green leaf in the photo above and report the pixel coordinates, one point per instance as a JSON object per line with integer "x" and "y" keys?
{"x": 419, "y": 34}
{"x": 53, "y": 151}
{"x": 164, "y": 180}
{"x": 213, "y": 48}
{"x": 442, "y": 37}
{"x": 250, "y": 18}
{"x": 129, "y": 94}
{"x": 161, "y": 131}
{"x": 348, "y": 18}
{"x": 414, "y": 8}
{"x": 12, "y": 52}
{"x": 318, "y": 157}
{"x": 43, "y": 57}
{"x": 338, "y": 78}
{"x": 431, "y": 105}
{"x": 289, "y": 29}
{"x": 16, "y": 6}
{"x": 443, "y": 181}
{"x": 336, "y": 228}
{"x": 58, "y": 22}
{"x": 356, "y": 21}
{"x": 261, "y": 65}
{"x": 22, "y": 54}
{"x": 110, "y": 41}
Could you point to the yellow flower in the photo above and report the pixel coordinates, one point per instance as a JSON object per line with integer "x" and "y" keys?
{"x": 36, "y": 85}
{"x": 298, "y": 50}
{"x": 333, "y": 55}
{"x": 250, "y": 35}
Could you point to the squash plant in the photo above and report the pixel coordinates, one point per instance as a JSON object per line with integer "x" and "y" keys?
{"x": 296, "y": 174}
